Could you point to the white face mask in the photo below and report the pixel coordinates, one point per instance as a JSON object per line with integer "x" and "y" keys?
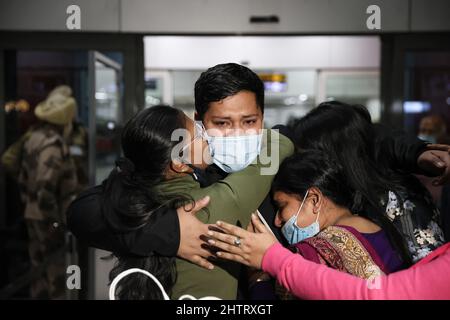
{"x": 427, "y": 138}
{"x": 293, "y": 233}
{"x": 234, "y": 153}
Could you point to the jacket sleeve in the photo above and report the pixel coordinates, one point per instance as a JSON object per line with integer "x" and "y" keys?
{"x": 86, "y": 222}
{"x": 308, "y": 280}
{"x": 12, "y": 157}
{"x": 397, "y": 150}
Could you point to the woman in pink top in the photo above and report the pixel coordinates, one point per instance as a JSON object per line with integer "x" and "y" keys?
{"x": 428, "y": 279}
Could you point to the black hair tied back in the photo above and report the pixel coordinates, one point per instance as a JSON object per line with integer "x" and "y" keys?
{"x": 130, "y": 199}
{"x": 125, "y": 166}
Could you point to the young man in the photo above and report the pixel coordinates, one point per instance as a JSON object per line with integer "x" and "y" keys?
{"x": 229, "y": 100}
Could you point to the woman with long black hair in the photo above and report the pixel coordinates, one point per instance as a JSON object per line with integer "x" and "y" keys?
{"x": 164, "y": 151}
{"x": 129, "y": 202}
{"x": 324, "y": 229}
{"x": 390, "y": 197}
{"x": 314, "y": 215}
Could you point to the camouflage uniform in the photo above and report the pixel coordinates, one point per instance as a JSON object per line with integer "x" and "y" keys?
{"x": 78, "y": 146}
{"x": 48, "y": 183}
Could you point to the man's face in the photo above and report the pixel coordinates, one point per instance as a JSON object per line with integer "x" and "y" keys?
{"x": 429, "y": 126}
{"x": 234, "y": 115}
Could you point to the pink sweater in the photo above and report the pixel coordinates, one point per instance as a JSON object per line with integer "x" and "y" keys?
{"x": 308, "y": 280}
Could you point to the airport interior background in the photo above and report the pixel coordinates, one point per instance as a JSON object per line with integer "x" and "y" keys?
{"x": 135, "y": 54}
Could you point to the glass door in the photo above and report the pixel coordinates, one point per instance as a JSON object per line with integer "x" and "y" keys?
{"x": 105, "y": 123}
{"x": 105, "y": 115}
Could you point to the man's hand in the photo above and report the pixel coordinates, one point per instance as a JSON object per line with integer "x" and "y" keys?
{"x": 192, "y": 231}
{"x": 436, "y": 161}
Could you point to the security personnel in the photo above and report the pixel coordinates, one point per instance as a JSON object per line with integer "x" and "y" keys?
{"x": 48, "y": 183}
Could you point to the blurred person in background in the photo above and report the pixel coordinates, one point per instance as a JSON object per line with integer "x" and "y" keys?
{"x": 11, "y": 160}
{"x": 433, "y": 129}
{"x": 48, "y": 183}
{"x": 77, "y": 141}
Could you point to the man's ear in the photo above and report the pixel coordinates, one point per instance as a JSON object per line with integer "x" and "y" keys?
{"x": 197, "y": 116}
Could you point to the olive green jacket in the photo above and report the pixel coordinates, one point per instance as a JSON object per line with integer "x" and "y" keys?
{"x": 232, "y": 199}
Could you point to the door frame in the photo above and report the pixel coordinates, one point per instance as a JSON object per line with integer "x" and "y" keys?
{"x": 95, "y": 261}
{"x": 2, "y": 142}
{"x": 94, "y": 56}
{"x": 130, "y": 45}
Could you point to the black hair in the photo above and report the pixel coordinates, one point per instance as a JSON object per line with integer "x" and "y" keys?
{"x": 312, "y": 168}
{"x": 225, "y": 80}
{"x": 129, "y": 199}
{"x": 346, "y": 134}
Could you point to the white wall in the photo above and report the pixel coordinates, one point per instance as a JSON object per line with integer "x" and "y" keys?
{"x": 226, "y": 16}
{"x": 191, "y": 16}
{"x": 316, "y": 52}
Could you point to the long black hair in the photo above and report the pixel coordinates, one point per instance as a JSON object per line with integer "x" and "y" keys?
{"x": 346, "y": 134}
{"x": 312, "y": 168}
{"x": 129, "y": 200}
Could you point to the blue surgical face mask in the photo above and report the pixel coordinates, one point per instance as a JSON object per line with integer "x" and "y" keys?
{"x": 427, "y": 137}
{"x": 234, "y": 153}
{"x": 293, "y": 233}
